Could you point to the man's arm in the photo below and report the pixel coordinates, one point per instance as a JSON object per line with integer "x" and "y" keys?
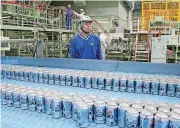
{"x": 99, "y": 52}
{"x": 73, "y": 49}
{"x": 77, "y": 14}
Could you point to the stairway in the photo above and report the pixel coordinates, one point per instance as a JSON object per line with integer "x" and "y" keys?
{"x": 142, "y": 51}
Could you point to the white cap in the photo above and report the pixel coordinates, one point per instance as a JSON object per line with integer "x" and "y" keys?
{"x": 85, "y": 18}
{"x": 99, "y": 31}
{"x": 81, "y": 10}
{"x": 69, "y": 5}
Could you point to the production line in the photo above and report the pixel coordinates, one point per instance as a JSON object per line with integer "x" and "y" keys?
{"x": 107, "y": 104}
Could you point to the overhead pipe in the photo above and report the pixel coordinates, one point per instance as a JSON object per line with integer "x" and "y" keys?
{"x": 16, "y": 40}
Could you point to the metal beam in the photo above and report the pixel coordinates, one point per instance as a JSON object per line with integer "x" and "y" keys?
{"x": 16, "y": 40}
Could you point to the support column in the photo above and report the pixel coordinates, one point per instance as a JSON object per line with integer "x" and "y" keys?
{"x": 60, "y": 45}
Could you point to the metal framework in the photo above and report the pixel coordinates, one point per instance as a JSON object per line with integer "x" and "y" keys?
{"x": 28, "y": 19}
{"x": 170, "y": 10}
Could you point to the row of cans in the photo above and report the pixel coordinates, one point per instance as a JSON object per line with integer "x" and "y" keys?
{"x": 164, "y": 86}
{"x": 85, "y": 109}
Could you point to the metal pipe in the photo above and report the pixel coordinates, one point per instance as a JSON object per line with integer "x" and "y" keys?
{"x": 16, "y": 40}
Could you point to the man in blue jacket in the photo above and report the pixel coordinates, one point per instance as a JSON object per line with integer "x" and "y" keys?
{"x": 86, "y": 45}
{"x": 69, "y": 14}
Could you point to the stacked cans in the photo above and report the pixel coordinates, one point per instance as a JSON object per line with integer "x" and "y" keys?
{"x": 132, "y": 83}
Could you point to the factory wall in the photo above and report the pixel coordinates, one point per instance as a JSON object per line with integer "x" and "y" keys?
{"x": 108, "y": 8}
{"x": 102, "y": 9}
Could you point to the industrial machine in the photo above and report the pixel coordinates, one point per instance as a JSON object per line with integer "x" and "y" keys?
{"x": 119, "y": 48}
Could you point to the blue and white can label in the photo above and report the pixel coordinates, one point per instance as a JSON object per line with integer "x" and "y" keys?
{"x": 46, "y": 77}
{"x": 100, "y": 112}
{"x": 9, "y": 98}
{"x": 51, "y": 78}
{"x": 94, "y": 82}
{"x": 155, "y": 87}
{"x": 68, "y": 80}
{"x": 101, "y": 83}
{"x": 109, "y": 84}
{"x": 81, "y": 82}
{"x": 111, "y": 114}
{"x": 75, "y": 81}
{"x": 163, "y": 88}
{"x": 63, "y": 80}
{"x": 32, "y": 101}
{"x": 146, "y": 86}
{"x": 24, "y": 101}
{"x": 56, "y": 108}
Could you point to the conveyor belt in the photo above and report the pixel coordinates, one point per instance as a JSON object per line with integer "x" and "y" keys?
{"x": 110, "y": 94}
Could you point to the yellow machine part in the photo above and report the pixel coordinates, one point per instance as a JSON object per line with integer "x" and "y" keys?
{"x": 168, "y": 9}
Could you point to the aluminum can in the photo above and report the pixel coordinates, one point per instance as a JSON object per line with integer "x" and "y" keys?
{"x": 56, "y": 79}
{"x": 146, "y": 119}
{"x": 109, "y": 84}
{"x": 57, "y": 108}
{"x": 69, "y": 80}
{"x": 116, "y": 84}
{"x": 123, "y": 84}
{"x": 74, "y": 110}
{"x": 174, "y": 121}
{"x": 82, "y": 115}
{"x": 122, "y": 108}
{"x": 132, "y": 117}
{"x": 101, "y": 83}
{"x": 35, "y": 77}
{"x": 164, "y": 110}
{"x": 24, "y": 100}
{"x": 100, "y": 112}
{"x": 75, "y": 81}
{"x": 41, "y": 77}
{"x": 177, "y": 94}
{"x": 48, "y": 105}
{"x": 163, "y": 88}
{"x": 67, "y": 107}
{"x": 94, "y": 82}
{"x": 31, "y": 76}
{"x": 151, "y": 109}
{"x": 161, "y": 120}
{"x": 90, "y": 104}
{"x": 40, "y": 102}
{"x": 138, "y": 85}
{"x": 130, "y": 84}
{"x": 3, "y": 96}
{"x": 138, "y": 107}
{"x": 146, "y": 86}
{"x": 9, "y": 97}
{"x": 21, "y": 75}
{"x": 46, "y": 77}
{"x": 155, "y": 87}
{"x": 16, "y": 73}
{"x": 12, "y": 74}
{"x": 51, "y": 78}
{"x": 88, "y": 81}
{"x": 81, "y": 81}
{"x": 62, "y": 79}
{"x": 32, "y": 101}
{"x": 26, "y": 75}
{"x": 111, "y": 114}
{"x": 171, "y": 88}
{"x": 16, "y": 98}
